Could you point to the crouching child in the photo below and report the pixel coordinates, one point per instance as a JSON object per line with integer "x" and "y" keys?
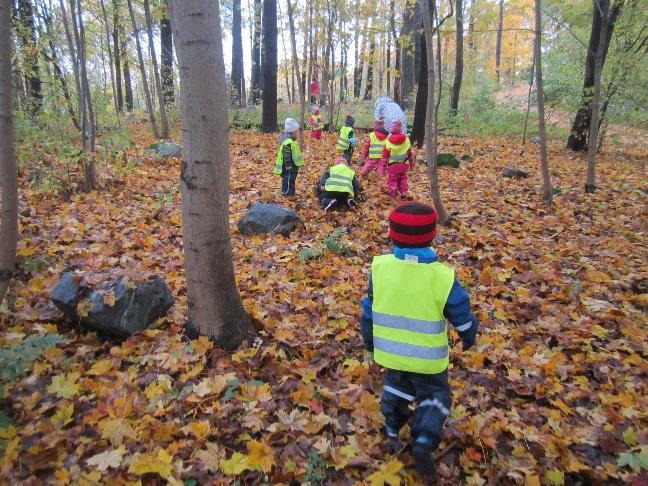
{"x": 338, "y": 187}
{"x": 410, "y": 297}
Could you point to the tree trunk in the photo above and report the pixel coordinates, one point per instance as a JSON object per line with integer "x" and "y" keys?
{"x": 471, "y": 26}
{"x": 547, "y": 190}
{"x": 599, "y": 58}
{"x": 142, "y": 67}
{"x": 430, "y": 125}
{"x": 8, "y": 170}
{"x": 420, "y": 108}
{"x": 255, "y": 89}
{"x": 75, "y": 68}
{"x": 407, "y": 44}
{"x": 577, "y": 139}
{"x": 498, "y": 46}
{"x": 214, "y": 303}
{"x": 26, "y": 34}
{"x": 528, "y": 107}
{"x": 458, "y": 73}
{"x": 237, "y": 55}
{"x": 156, "y": 72}
{"x": 128, "y": 85}
{"x": 118, "y": 63}
{"x": 397, "y": 57}
{"x": 302, "y": 100}
{"x": 269, "y": 66}
{"x": 356, "y": 56}
{"x": 110, "y": 53}
{"x": 370, "y": 68}
{"x": 166, "y": 56}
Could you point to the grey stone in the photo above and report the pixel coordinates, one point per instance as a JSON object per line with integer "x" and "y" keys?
{"x": 448, "y": 160}
{"x": 166, "y": 149}
{"x": 466, "y": 158}
{"x": 513, "y": 172}
{"x": 535, "y": 140}
{"x": 268, "y": 218}
{"x": 136, "y": 307}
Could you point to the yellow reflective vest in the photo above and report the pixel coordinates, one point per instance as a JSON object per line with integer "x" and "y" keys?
{"x": 340, "y": 179}
{"x": 409, "y": 329}
{"x": 397, "y": 153}
{"x": 316, "y": 122}
{"x": 343, "y": 141}
{"x": 376, "y": 146}
{"x": 298, "y": 160}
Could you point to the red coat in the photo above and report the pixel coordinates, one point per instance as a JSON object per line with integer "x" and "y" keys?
{"x": 397, "y": 139}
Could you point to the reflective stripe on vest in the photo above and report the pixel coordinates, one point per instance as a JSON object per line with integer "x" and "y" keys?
{"x": 298, "y": 159}
{"x": 343, "y": 142}
{"x": 409, "y": 328}
{"x": 397, "y": 153}
{"x": 376, "y": 146}
{"x": 316, "y": 122}
{"x": 340, "y": 179}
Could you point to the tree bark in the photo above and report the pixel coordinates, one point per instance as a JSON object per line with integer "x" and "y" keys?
{"x": 370, "y": 68}
{"x": 430, "y": 125}
{"x": 111, "y": 62}
{"x": 142, "y": 67}
{"x": 237, "y": 55}
{"x": 166, "y": 56}
{"x": 302, "y": 100}
{"x": 255, "y": 88}
{"x": 577, "y": 139}
{"x": 118, "y": 63}
{"x": 75, "y": 69}
{"x": 29, "y": 42}
{"x": 214, "y": 303}
{"x": 156, "y": 71}
{"x": 458, "y": 73}
{"x": 498, "y": 46}
{"x": 8, "y": 170}
{"x": 528, "y": 107}
{"x": 397, "y": 53}
{"x": 269, "y": 66}
{"x": 420, "y": 108}
{"x": 407, "y": 44}
{"x": 128, "y": 85}
{"x": 547, "y": 190}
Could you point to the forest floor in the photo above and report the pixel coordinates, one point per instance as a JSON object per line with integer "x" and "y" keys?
{"x": 555, "y": 392}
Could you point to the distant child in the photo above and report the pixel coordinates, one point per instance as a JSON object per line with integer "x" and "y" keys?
{"x": 289, "y": 158}
{"x": 398, "y": 157}
{"x": 338, "y": 187}
{"x": 346, "y": 142}
{"x": 410, "y": 296}
{"x": 316, "y": 124}
{"x": 373, "y": 149}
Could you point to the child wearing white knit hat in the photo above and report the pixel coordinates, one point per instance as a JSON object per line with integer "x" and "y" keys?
{"x": 289, "y": 157}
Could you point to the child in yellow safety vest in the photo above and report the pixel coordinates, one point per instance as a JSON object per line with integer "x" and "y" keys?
{"x": 398, "y": 157}
{"x": 316, "y": 124}
{"x": 373, "y": 149}
{"x": 338, "y": 186}
{"x": 289, "y": 158}
{"x": 410, "y": 297}
{"x": 346, "y": 143}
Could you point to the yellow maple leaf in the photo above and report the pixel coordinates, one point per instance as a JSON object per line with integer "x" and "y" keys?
{"x": 101, "y": 367}
{"x": 234, "y": 465}
{"x": 200, "y": 429}
{"x": 63, "y": 415}
{"x": 115, "y": 430}
{"x": 260, "y": 456}
{"x": 107, "y": 459}
{"x": 65, "y": 385}
{"x": 159, "y": 463}
{"x": 159, "y": 387}
{"x": 388, "y": 474}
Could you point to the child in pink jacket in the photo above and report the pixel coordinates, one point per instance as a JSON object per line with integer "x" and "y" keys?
{"x": 399, "y": 158}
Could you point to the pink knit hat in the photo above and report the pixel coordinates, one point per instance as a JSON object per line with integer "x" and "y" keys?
{"x": 340, "y": 160}
{"x": 396, "y": 127}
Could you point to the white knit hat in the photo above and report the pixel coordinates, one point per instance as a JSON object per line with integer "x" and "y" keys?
{"x": 291, "y": 125}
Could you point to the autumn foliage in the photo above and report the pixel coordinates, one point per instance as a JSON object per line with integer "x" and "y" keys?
{"x": 555, "y": 392}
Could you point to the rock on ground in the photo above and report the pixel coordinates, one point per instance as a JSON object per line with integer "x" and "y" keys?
{"x": 166, "y": 149}
{"x": 448, "y": 160}
{"x": 513, "y": 172}
{"x": 268, "y": 218}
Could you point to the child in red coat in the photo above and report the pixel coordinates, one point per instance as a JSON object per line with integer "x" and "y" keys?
{"x": 316, "y": 124}
{"x": 373, "y": 148}
{"x": 398, "y": 157}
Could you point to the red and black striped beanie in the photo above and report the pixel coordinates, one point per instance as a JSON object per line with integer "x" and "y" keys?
{"x": 412, "y": 224}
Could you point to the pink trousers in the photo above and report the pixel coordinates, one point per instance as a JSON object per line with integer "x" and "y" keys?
{"x": 397, "y": 179}
{"x": 371, "y": 164}
{"x": 316, "y": 134}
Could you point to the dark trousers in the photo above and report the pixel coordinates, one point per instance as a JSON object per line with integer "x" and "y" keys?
{"x": 288, "y": 179}
{"x": 348, "y": 153}
{"x": 325, "y": 197}
{"x": 433, "y": 400}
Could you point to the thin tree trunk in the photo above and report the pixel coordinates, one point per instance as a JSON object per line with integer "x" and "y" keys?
{"x": 110, "y": 53}
{"x": 498, "y": 46}
{"x": 592, "y": 145}
{"x": 408, "y": 43}
{"x": 8, "y": 169}
{"x": 397, "y": 54}
{"x": 370, "y": 68}
{"x": 420, "y": 109}
{"x": 547, "y": 190}
{"x": 458, "y": 73}
{"x": 75, "y": 69}
{"x": 302, "y": 100}
{"x": 128, "y": 85}
{"x": 309, "y": 78}
{"x": 269, "y": 118}
{"x": 528, "y": 108}
{"x": 214, "y": 303}
{"x": 237, "y": 55}
{"x": 118, "y": 63}
{"x": 356, "y": 56}
{"x": 29, "y": 41}
{"x": 430, "y": 125}
{"x": 166, "y": 56}
{"x": 142, "y": 66}
{"x": 156, "y": 71}
{"x": 256, "y": 54}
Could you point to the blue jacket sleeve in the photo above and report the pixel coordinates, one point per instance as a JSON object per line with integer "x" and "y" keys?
{"x": 366, "y": 319}
{"x": 457, "y": 311}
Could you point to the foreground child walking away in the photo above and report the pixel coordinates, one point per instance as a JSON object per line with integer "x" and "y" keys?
{"x": 373, "y": 149}
{"x": 346, "y": 143}
{"x": 316, "y": 123}
{"x": 398, "y": 157}
{"x": 289, "y": 158}
{"x": 338, "y": 186}
{"x": 403, "y": 322}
